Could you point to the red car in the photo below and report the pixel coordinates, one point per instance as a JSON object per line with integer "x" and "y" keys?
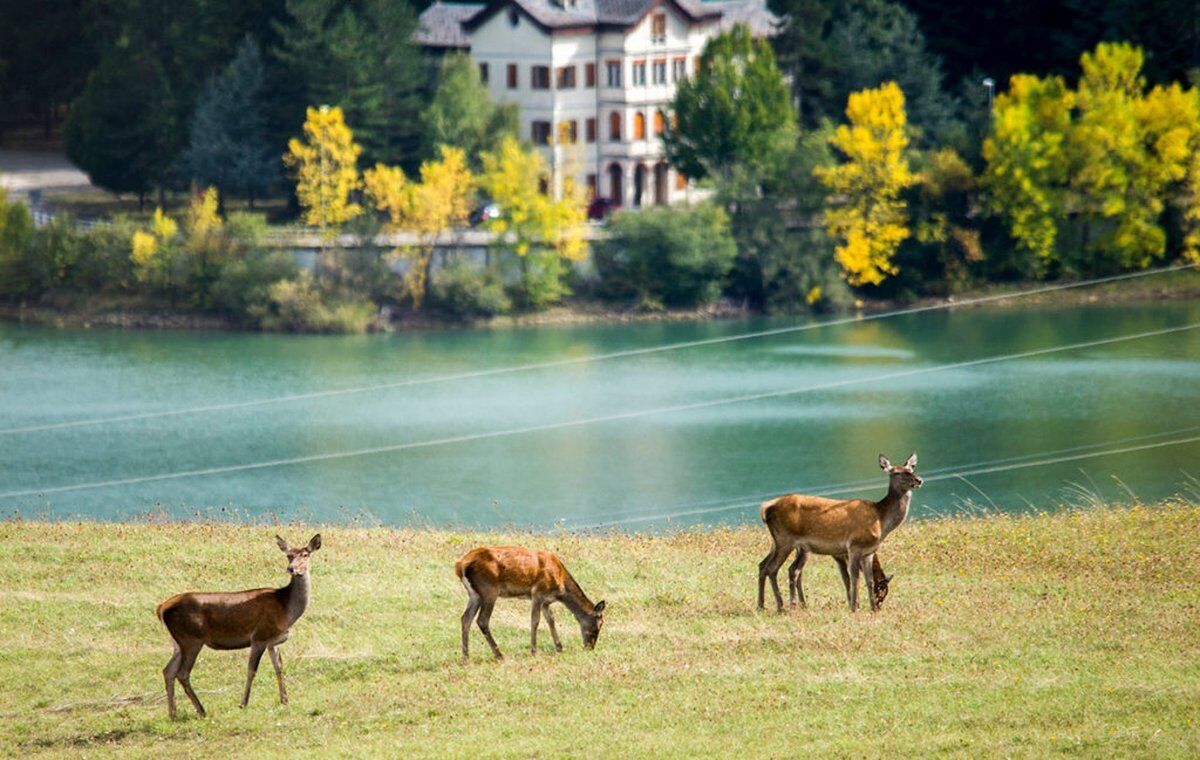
{"x": 601, "y": 208}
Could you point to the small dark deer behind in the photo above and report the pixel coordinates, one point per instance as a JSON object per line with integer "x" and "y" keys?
{"x": 488, "y": 573}
{"x": 259, "y": 619}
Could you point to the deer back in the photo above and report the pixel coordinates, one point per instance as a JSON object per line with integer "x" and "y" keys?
{"x": 822, "y": 521}
{"x": 226, "y": 620}
{"x": 512, "y": 571}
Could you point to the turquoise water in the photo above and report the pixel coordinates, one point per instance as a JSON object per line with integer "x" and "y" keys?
{"x": 676, "y": 468}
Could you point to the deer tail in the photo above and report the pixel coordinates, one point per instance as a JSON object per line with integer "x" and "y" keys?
{"x": 764, "y": 511}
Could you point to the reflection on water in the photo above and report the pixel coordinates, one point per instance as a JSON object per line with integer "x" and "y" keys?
{"x": 686, "y": 463}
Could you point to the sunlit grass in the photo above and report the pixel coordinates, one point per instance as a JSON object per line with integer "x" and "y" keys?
{"x": 1077, "y": 632}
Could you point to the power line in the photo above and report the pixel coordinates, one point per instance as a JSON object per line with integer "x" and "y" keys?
{"x": 946, "y": 476}
{"x": 474, "y": 374}
{"x": 603, "y": 418}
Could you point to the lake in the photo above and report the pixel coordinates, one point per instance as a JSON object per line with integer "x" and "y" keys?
{"x": 579, "y": 443}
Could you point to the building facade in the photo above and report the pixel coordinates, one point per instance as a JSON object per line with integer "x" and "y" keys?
{"x": 593, "y": 79}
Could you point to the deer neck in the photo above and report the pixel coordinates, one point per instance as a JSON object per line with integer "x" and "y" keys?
{"x": 893, "y": 509}
{"x": 295, "y": 597}
{"x": 573, "y": 598}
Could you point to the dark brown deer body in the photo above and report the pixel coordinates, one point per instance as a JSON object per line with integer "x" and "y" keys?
{"x": 849, "y": 530}
{"x": 259, "y": 619}
{"x": 489, "y": 573}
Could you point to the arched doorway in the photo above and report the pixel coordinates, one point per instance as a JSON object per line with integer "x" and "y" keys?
{"x": 616, "y": 184}
{"x": 639, "y": 185}
{"x": 660, "y": 183}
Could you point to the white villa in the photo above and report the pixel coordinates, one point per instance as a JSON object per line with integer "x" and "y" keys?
{"x": 600, "y": 74}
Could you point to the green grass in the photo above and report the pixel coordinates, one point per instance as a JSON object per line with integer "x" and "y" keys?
{"x": 1072, "y": 633}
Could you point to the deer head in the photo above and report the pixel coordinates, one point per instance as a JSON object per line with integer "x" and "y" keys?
{"x": 902, "y": 478}
{"x": 590, "y": 625}
{"x": 879, "y": 589}
{"x": 298, "y": 558}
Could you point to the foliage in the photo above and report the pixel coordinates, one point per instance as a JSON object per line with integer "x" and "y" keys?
{"x": 867, "y": 214}
{"x": 297, "y": 305}
{"x": 466, "y": 291}
{"x": 17, "y": 277}
{"x": 325, "y": 166}
{"x": 154, "y": 253}
{"x": 461, "y": 113}
{"x": 436, "y": 205}
{"x": 667, "y": 257}
{"x": 536, "y": 232}
{"x": 734, "y": 111}
{"x": 229, "y": 147}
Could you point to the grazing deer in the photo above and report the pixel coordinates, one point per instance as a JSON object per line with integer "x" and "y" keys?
{"x": 259, "y": 619}
{"x": 879, "y": 581}
{"x": 492, "y": 572}
{"x": 849, "y": 530}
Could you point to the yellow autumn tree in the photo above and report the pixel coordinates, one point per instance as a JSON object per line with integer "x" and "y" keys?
{"x": 438, "y": 203}
{"x": 542, "y": 233}
{"x": 325, "y": 164}
{"x": 153, "y": 251}
{"x": 865, "y": 213}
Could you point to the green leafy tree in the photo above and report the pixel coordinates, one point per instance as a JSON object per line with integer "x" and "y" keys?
{"x": 461, "y": 113}
{"x": 229, "y": 147}
{"x": 735, "y": 110}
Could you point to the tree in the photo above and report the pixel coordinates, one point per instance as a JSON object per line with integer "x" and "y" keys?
{"x": 461, "y": 113}
{"x": 866, "y": 213}
{"x": 735, "y": 110}
{"x": 229, "y": 148}
{"x": 326, "y": 168}
{"x": 542, "y": 233}
{"x": 439, "y": 203}
{"x": 360, "y": 56}
{"x": 667, "y": 256}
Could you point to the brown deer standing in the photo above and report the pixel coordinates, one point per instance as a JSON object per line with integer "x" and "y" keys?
{"x": 849, "y": 530}
{"x": 492, "y": 572}
{"x": 259, "y": 619}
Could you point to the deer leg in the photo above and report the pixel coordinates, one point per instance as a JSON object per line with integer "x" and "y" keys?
{"x": 277, "y": 661}
{"x": 769, "y": 569}
{"x": 485, "y": 614}
{"x": 184, "y": 674}
{"x": 841, "y": 563}
{"x": 256, "y": 653}
{"x": 535, "y": 618}
{"x": 795, "y": 589}
{"x": 468, "y": 617}
{"x": 868, "y": 572}
{"x": 169, "y": 674}
{"x": 853, "y": 564}
{"x": 550, "y": 622}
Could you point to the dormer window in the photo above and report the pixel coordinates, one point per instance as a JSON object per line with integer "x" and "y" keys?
{"x": 658, "y": 28}
{"x": 514, "y": 18}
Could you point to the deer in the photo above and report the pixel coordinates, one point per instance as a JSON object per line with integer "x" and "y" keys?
{"x": 488, "y": 573}
{"x": 259, "y": 619}
{"x": 849, "y": 530}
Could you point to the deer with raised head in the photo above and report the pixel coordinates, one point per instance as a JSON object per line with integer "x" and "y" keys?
{"x": 849, "y": 530}
{"x": 259, "y": 619}
{"x": 489, "y": 573}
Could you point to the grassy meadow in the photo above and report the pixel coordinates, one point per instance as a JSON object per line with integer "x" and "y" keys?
{"x": 1075, "y": 633}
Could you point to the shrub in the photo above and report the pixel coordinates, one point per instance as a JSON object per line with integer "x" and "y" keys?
{"x": 297, "y": 305}
{"x": 673, "y": 257}
{"x": 243, "y": 288}
{"x": 16, "y": 234}
{"x": 466, "y": 291}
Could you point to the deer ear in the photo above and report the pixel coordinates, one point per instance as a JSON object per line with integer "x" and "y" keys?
{"x": 912, "y": 460}
{"x": 314, "y": 543}
{"x": 283, "y": 545}
{"x": 887, "y": 579}
{"x": 599, "y": 608}
{"x": 884, "y": 463}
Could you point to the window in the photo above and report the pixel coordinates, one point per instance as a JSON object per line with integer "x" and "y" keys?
{"x": 639, "y": 73}
{"x": 639, "y": 126}
{"x": 589, "y": 75}
{"x": 678, "y": 69}
{"x": 539, "y": 77}
{"x": 612, "y": 71}
{"x": 540, "y": 132}
{"x": 591, "y": 130}
{"x": 660, "y": 123}
{"x": 568, "y": 132}
{"x": 680, "y": 181}
{"x": 544, "y": 185}
{"x": 593, "y": 184}
{"x": 512, "y": 76}
{"x": 483, "y": 73}
{"x": 659, "y": 71}
{"x": 658, "y": 28}
{"x": 614, "y": 126}
{"x": 566, "y": 78}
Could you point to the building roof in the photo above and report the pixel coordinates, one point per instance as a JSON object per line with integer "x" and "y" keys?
{"x": 448, "y": 24}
